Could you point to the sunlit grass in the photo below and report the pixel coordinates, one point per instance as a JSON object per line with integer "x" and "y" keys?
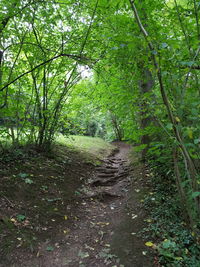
{"x": 94, "y": 146}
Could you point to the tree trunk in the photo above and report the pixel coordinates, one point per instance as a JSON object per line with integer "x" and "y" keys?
{"x": 145, "y": 86}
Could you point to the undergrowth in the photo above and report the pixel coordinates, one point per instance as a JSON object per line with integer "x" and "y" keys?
{"x": 171, "y": 237}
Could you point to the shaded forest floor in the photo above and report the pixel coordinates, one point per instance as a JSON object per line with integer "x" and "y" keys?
{"x": 68, "y": 209}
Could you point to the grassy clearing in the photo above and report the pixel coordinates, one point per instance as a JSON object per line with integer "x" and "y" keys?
{"x": 94, "y": 148}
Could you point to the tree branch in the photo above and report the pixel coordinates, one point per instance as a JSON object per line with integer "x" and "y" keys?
{"x": 191, "y": 67}
{"x": 75, "y": 57}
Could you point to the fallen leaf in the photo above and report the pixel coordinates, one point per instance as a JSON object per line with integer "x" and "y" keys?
{"x": 88, "y": 247}
{"x": 149, "y": 244}
{"x": 134, "y": 216}
{"x": 193, "y": 233}
{"x": 57, "y": 245}
{"x": 103, "y": 223}
{"x": 83, "y": 255}
{"x": 149, "y": 220}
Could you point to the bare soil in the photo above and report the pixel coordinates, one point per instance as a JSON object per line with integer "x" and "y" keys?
{"x": 67, "y": 212}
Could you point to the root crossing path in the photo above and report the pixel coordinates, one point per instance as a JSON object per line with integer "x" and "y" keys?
{"x": 109, "y": 218}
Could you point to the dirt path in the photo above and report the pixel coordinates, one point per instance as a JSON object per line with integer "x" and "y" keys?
{"x": 108, "y": 218}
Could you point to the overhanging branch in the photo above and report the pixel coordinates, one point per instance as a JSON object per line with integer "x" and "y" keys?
{"x": 75, "y": 57}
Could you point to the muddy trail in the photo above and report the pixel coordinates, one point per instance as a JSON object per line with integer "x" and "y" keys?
{"x": 109, "y": 217}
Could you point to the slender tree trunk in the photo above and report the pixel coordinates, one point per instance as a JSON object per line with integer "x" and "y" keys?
{"x": 117, "y": 129}
{"x": 187, "y": 212}
{"x": 145, "y": 118}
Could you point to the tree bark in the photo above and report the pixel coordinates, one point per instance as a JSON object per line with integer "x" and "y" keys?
{"x": 145, "y": 118}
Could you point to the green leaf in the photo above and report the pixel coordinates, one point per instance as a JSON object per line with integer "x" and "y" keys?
{"x": 49, "y": 248}
{"x": 28, "y": 181}
{"x": 196, "y": 141}
{"x": 169, "y": 126}
{"x": 21, "y": 217}
{"x": 168, "y": 244}
{"x": 23, "y": 175}
{"x": 195, "y": 194}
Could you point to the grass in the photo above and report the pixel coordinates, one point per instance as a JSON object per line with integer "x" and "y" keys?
{"x": 95, "y": 148}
